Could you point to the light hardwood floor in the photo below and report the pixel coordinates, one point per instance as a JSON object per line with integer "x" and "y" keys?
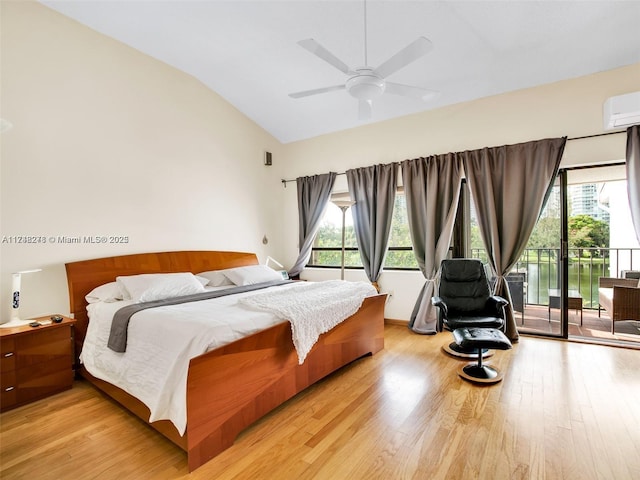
{"x": 563, "y": 411}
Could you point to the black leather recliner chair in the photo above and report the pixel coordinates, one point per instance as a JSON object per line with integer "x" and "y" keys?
{"x": 465, "y": 300}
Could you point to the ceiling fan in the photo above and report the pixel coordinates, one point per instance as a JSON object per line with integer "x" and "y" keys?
{"x": 367, "y": 83}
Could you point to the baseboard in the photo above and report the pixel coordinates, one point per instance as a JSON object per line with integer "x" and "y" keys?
{"x": 393, "y": 321}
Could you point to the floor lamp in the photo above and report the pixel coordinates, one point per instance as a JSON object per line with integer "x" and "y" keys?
{"x": 344, "y": 206}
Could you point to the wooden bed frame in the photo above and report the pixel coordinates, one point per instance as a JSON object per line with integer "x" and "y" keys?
{"x": 231, "y": 387}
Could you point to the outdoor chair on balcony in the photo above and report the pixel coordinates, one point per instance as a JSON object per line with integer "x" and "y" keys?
{"x": 630, "y": 274}
{"x": 465, "y": 301}
{"x": 620, "y": 297}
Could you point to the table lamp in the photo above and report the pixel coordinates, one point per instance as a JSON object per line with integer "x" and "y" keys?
{"x": 285, "y": 275}
{"x": 15, "y": 320}
{"x": 270, "y": 259}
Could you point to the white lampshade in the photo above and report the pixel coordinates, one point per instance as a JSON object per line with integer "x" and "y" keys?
{"x": 270, "y": 259}
{"x": 343, "y": 203}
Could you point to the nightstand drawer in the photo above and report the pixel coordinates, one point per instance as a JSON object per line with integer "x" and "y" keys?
{"x": 7, "y": 362}
{"x": 7, "y": 355}
{"x": 7, "y": 381}
{"x": 8, "y": 389}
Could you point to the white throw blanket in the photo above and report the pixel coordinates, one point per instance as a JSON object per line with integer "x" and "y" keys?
{"x": 312, "y": 308}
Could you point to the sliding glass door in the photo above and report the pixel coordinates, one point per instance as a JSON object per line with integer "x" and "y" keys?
{"x": 536, "y": 281}
{"x": 542, "y": 269}
{"x": 583, "y": 235}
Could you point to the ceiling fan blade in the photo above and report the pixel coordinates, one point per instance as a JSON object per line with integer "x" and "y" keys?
{"x": 316, "y": 91}
{"x": 409, "y": 91}
{"x": 314, "y": 47}
{"x": 404, "y": 57}
{"x": 364, "y": 109}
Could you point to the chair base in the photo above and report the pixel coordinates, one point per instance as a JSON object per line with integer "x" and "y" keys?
{"x": 480, "y": 374}
{"x": 457, "y": 351}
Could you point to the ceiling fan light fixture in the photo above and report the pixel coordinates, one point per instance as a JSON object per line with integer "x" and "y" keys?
{"x": 365, "y": 85}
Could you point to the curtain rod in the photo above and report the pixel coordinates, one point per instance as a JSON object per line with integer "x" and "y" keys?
{"x": 284, "y": 182}
{"x": 597, "y": 135}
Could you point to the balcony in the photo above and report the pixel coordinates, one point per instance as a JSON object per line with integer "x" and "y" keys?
{"x": 539, "y": 268}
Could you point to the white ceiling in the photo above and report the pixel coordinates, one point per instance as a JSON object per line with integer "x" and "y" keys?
{"x": 246, "y": 51}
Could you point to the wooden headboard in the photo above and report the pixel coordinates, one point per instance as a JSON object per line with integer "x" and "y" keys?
{"x": 85, "y": 275}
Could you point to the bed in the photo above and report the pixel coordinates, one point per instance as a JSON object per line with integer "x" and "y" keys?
{"x": 230, "y": 387}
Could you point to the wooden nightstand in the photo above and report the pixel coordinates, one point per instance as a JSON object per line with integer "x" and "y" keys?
{"x": 35, "y": 362}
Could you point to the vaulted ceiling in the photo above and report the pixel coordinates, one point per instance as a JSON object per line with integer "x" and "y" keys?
{"x": 247, "y": 51}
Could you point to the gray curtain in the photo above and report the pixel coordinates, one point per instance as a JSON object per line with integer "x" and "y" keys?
{"x": 313, "y": 196}
{"x": 633, "y": 175}
{"x": 509, "y": 186}
{"x": 374, "y": 190}
{"x": 432, "y": 189}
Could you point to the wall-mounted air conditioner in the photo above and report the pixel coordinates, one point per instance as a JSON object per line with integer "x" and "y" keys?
{"x": 622, "y": 111}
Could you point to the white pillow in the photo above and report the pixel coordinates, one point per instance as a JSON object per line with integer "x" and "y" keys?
{"x": 203, "y": 280}
{"x": 252, "y": 274}
{"x": 216, "y": 278}
{"x": 109, "y": 293}
{"x": 157, "y": 286}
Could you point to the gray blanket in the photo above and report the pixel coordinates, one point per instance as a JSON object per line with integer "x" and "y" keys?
{"x": 120, "y": 324}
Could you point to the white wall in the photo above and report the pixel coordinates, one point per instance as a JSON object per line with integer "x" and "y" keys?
{"x": 108, "y": 141}
{"x": 570, "y": 108}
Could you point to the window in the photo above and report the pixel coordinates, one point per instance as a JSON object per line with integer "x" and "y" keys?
{"x": 327, "y": 247}
{"x": 400, "y": 253}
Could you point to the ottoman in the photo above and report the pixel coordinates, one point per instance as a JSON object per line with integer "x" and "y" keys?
{"x": 479, "y": 339}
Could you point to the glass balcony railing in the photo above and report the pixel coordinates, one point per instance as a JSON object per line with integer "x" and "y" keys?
{"x": 542, "y": 269}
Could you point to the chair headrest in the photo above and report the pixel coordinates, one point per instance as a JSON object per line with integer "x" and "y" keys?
{"x": 462, "y": 270}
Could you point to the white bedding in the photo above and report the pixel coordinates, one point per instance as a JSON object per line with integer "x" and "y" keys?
{"x": 162, "y": 340}
{"x": 310, "y": 312}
